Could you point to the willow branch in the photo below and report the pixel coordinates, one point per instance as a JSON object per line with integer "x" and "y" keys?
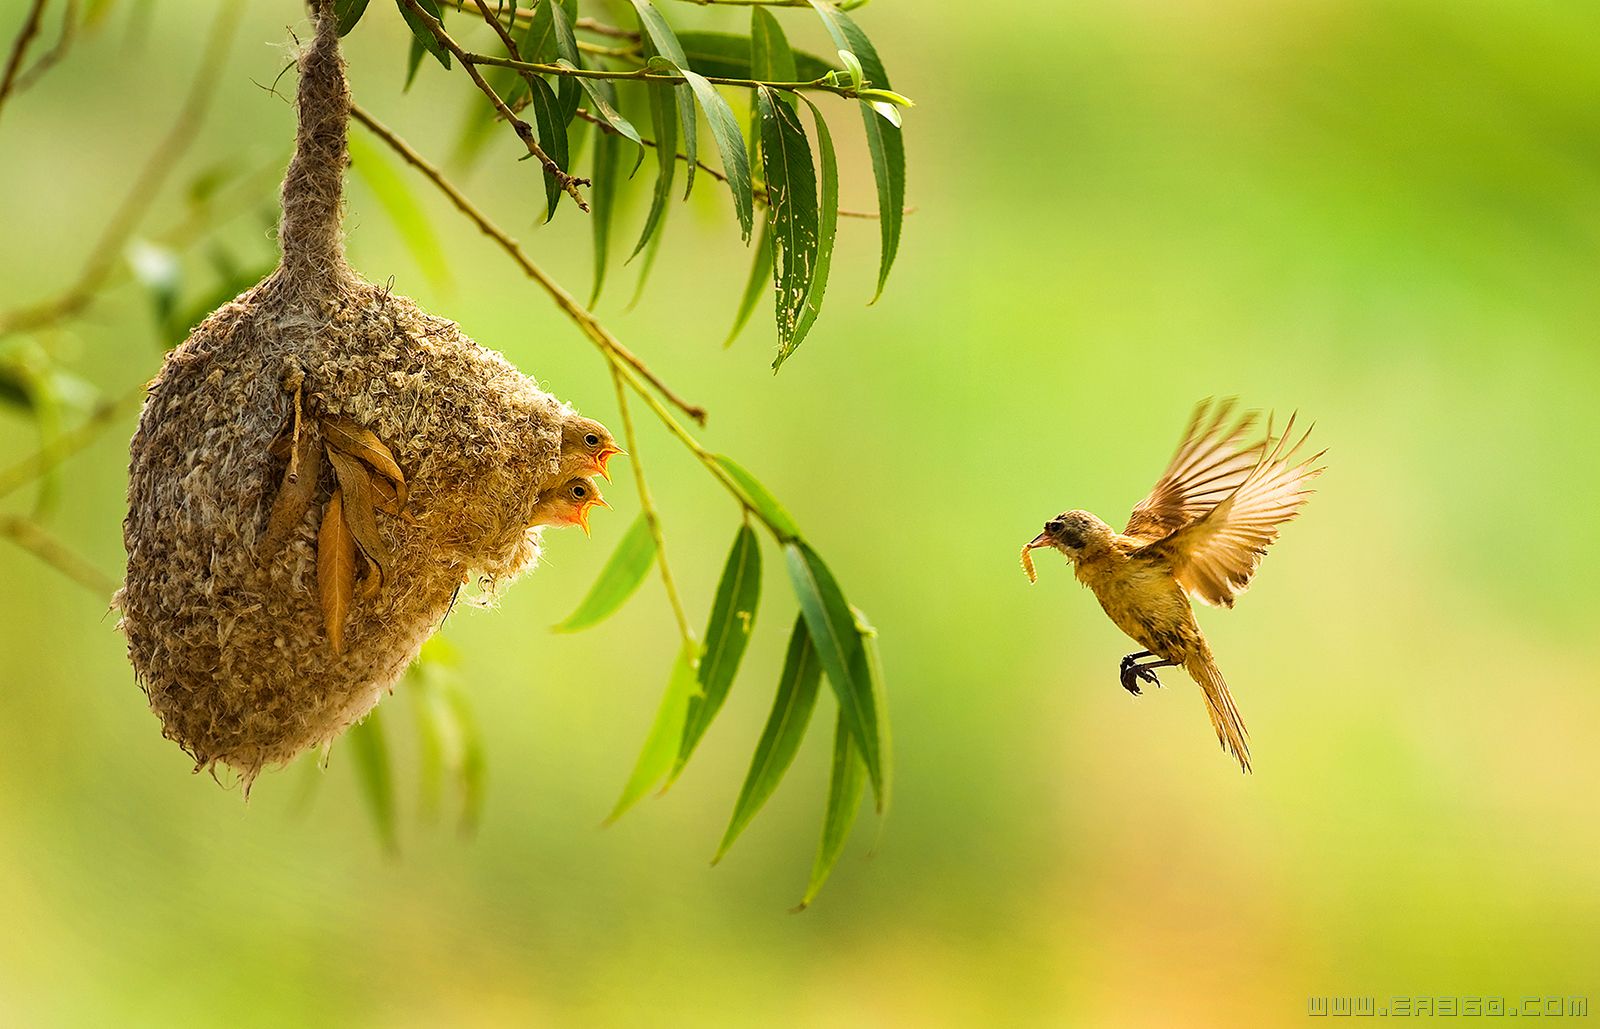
{"x": 28, "y": 535}
{"x": 165, "y": 156}
{"x": 648, "y": 507}
{"x": 623, "y": 363}
{"x": 569, "y": 183}
{"x": 49, "y": 59}
{"x": 19, "y": 49}
{"x": 821, "y": 85}
{"x": 525, "y": 15}
{"x": 597, "y": 333}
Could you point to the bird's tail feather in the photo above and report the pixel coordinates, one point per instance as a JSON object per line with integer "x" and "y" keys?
{"x": 1225, "y": 719}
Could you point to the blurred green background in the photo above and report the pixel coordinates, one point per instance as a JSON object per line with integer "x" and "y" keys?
{"x": 1384, "y": 214}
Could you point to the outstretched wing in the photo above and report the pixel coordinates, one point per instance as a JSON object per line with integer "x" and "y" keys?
{"x": 1215, "y": 556}
{"x": 1210, "y": 465}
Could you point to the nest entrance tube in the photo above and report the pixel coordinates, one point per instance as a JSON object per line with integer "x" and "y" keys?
{"x": 318, "y": 446}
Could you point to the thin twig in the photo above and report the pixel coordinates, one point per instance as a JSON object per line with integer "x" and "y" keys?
{"x": 165, "y": 156}
{"x": 821, "y": 85}
{"x": 48, "y": 59}
{"x": 68, "y": 443}
{"x": 648, "y": 508}
{"x": 569, "y": 183}
{"x": 591, "y": 327}
{"x": 525, "y": 14}
{"x": 19, "y": 49}
{"x": 28, "y": 535}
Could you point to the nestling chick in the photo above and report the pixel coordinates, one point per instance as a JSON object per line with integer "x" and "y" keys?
{"x": 568, "y": 504}
{"x": 1202, "y": 531}
{"x": 586, "y": 447}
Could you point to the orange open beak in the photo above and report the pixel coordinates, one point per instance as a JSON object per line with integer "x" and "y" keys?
{"x": 604, "y": 457}
{"x": 583, "y": 512}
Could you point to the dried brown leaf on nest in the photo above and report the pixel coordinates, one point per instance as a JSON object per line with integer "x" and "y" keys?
{"x": 360, "y": 507}
{"x": 295, "y": 493}
{"x": 362, "y": 443}
{"x": 336, "y": 570}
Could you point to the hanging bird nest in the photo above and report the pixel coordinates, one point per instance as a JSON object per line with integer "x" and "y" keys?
{"x": 317, "y": 470}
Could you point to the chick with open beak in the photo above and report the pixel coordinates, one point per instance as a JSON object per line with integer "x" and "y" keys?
{"x": 568, "y": 504}
{"x": 586, "y": 447}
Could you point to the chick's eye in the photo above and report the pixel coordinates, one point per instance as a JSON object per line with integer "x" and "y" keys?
{"x": 578, "y": 492}
{"x": 591, "y": 440}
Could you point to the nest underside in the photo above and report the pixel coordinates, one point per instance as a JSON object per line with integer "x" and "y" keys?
{"x": 229, "y": 645}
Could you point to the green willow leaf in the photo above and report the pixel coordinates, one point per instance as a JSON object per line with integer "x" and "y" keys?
{"x": 604, "y": 98}
{"x": 792, "y": 199}
{"x": 756, "y": 286}
{"x": 844, "y": 802}
{"x": 602, "y": 203}
{"x": 771, "y": 59}
{"x": 833, "y": 629}
{"x": 733, "y": 618}
{"x": 623, "y": 573}
{"x": 552, "y": 138}
{"x": 780, "y": 739}
{"x": 470, "y": 765}
{"x": 724, "y": 55}
{"x": 827, "y": 230}
{"x": 665, "y": 43}
{"x": 402, "y": 208}
{"x": 663, "y": 120}
{"x": 348, "y": 12}
{"x": 870, "y": 668}
{"x": 884, "y": 140}
{"x": 422, "y": 33}
{"x": 370, "y": 753}
{"x": 661, "y": 745}
{"x": 761, "y": 500}
{"x": 730, "y": 147}
{"x": 562, "y": 16}
{"x": 434, "y": 728}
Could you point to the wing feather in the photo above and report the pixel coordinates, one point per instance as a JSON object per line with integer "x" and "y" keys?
{"x": 1209, "y": 466}
{"x": 1214, "y": 557}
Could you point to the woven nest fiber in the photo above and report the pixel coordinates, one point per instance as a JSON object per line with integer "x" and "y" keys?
{"x": 227, "y": 629}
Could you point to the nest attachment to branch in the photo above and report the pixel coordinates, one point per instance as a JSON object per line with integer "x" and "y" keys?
{"x": 318, "y": 469}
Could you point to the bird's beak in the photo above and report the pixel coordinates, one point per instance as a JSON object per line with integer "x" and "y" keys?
{"x": 1041, "y": 540}
{"x": 583, "y": 519}
{"x": 604, "y": 457}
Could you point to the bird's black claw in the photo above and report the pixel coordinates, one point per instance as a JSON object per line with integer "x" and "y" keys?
{"x": 1128, "y": 672}
{"x": 1148, "y": 675}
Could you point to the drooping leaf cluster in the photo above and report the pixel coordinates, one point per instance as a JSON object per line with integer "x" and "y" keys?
{"x": 580, "y": 81}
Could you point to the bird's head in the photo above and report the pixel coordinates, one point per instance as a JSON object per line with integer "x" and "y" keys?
{"x": 1074, "y": 533}
{"x": 569, "y": 504}
{"x": 586, "y": 446}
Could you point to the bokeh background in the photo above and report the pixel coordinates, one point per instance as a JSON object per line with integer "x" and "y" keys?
{"x": 1384, "y": 214}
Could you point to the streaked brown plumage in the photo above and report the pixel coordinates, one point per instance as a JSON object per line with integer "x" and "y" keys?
{"x": 1202, "y": 531}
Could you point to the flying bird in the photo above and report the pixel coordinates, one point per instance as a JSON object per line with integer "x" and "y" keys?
{"x": 1201, "y": 532}
{"x": 568, "y": 504}
{"x": 586, "y": 447}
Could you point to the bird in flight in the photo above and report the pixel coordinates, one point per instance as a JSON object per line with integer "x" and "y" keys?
{"x": 1202, "y": 531}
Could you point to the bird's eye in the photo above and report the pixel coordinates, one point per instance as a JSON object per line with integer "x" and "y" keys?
{"x": 591, "y": 440}
{"x": 578, "y": 492}
{"x": 1054, "y": 525}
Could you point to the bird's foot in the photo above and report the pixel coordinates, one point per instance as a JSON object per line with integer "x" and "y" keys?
{"x": 1131, "y": 673}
